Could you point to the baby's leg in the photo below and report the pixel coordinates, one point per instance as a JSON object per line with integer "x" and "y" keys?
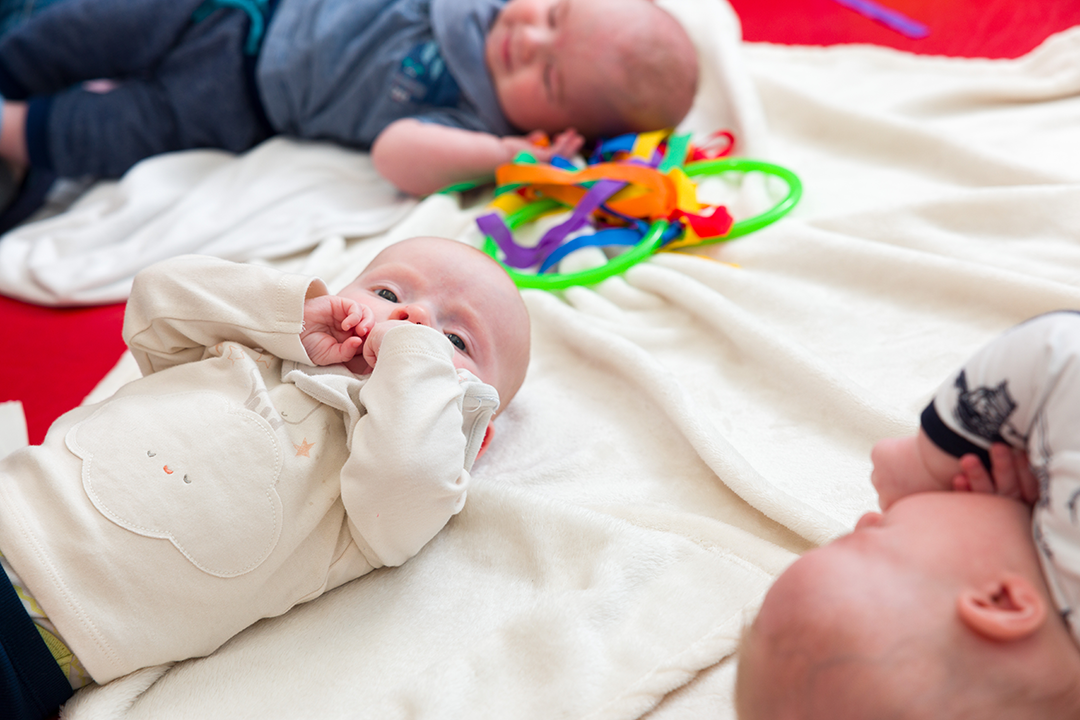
{"x": 200, "y": 96}
{"x": 75, "y": 40}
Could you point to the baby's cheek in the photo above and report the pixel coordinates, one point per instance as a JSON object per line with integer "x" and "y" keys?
{"x": 462, "y": 362}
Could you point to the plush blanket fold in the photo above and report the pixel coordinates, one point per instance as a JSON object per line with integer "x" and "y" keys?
{"x": 686, "y": 429}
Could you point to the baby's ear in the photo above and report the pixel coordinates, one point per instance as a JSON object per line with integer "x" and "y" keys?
{"x": 1009, "y": 609}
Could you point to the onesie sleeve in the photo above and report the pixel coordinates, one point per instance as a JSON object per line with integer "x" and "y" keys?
{"x": 1011, "y": 389}
{"x": 183, "y": 305}
{"x": 407, "y": 472}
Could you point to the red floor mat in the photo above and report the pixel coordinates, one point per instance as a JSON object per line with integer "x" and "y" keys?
{"x": 962, "y": 28}
{"x": 50, "y": 358}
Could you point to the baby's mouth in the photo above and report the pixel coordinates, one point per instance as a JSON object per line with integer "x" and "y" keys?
{"x": 506, "y": 52}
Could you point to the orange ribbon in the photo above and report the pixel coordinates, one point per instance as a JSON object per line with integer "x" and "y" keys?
{"x": 648, "y": 195}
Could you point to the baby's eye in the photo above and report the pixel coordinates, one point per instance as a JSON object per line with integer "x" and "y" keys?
{"x": 456, "y": 341}
{"x": 386, "y": 294}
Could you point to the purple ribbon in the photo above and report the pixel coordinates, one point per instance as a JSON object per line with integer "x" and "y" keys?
{"x": 517, "y": 256}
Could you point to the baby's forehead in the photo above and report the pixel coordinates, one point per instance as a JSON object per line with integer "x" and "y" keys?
{"x": 433, "y": 252}
{"x": 415, "y": 249}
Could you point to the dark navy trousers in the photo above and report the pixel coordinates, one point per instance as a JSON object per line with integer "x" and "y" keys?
{"x": 177, "y": 84}
{"x": 32, "y": 686}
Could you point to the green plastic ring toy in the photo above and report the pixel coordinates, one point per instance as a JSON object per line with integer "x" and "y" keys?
{"x": 651, "y": 241}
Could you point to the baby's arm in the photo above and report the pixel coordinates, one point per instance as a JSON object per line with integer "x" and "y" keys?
{"x": 334, "y": 328}
{"x": 409, "y": 454}
{"x": 180, "y": 307}
{"x": 423, "y": 157}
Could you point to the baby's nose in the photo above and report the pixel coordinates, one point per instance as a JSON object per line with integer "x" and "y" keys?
{"x": 535, "y": 40}
{"x": 411, "y": 313}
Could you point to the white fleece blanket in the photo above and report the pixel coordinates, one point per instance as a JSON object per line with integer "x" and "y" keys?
{"x": 282, "y": 197}
{"x": 685, "y": 430}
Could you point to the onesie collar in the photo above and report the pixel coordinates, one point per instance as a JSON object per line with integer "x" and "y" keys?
{"x": 460, "y": 27}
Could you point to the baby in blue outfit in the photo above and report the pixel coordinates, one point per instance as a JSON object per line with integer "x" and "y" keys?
{"x": 461, "y": 84}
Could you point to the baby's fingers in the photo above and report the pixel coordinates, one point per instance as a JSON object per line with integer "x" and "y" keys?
{"x": 325, "y": 350}
{"x": 978, "y": 480}
{"x": 1029, "y": 484}
{"x": 350, "y": 311}
{"x": 349, "y": 347}
{"x": 1010, "y": 474}
{"x": 568, "y": 143}
{"x": 1003, "y": 466}
{"x": 960, "y": 483}
{"x": 366, "y": 322}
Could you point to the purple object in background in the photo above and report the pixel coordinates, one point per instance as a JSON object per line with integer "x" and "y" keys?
{"x": 889, "y": 18}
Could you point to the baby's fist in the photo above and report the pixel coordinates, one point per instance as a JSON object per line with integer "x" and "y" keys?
{"x": 334, "y": 328}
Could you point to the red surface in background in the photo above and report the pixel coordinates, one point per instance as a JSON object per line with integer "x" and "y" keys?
{"x": 50, "y": 358}
{"x": 963, "y": 28}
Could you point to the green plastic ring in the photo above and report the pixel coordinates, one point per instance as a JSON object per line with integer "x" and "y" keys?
{"x": 750, "y": 224}
{"x": 651, "y": 241}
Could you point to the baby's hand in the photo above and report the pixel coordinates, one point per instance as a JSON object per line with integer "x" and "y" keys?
{"x": 1011, "y": 474}
{"x": 566, "y": 144}
{"x": 334, "y": 328}
{"x": 374, "y": 340}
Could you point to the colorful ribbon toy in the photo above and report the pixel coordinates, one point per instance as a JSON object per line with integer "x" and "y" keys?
{"x": 636, "y": 191}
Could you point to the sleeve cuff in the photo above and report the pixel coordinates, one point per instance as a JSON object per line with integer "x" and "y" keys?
{"x": 948, "y": 440}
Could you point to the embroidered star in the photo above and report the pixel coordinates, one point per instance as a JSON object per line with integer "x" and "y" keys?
{"x": 263, "y": 359}
{"x": 303, "y": 448}
{"x": 234, "y": 354}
